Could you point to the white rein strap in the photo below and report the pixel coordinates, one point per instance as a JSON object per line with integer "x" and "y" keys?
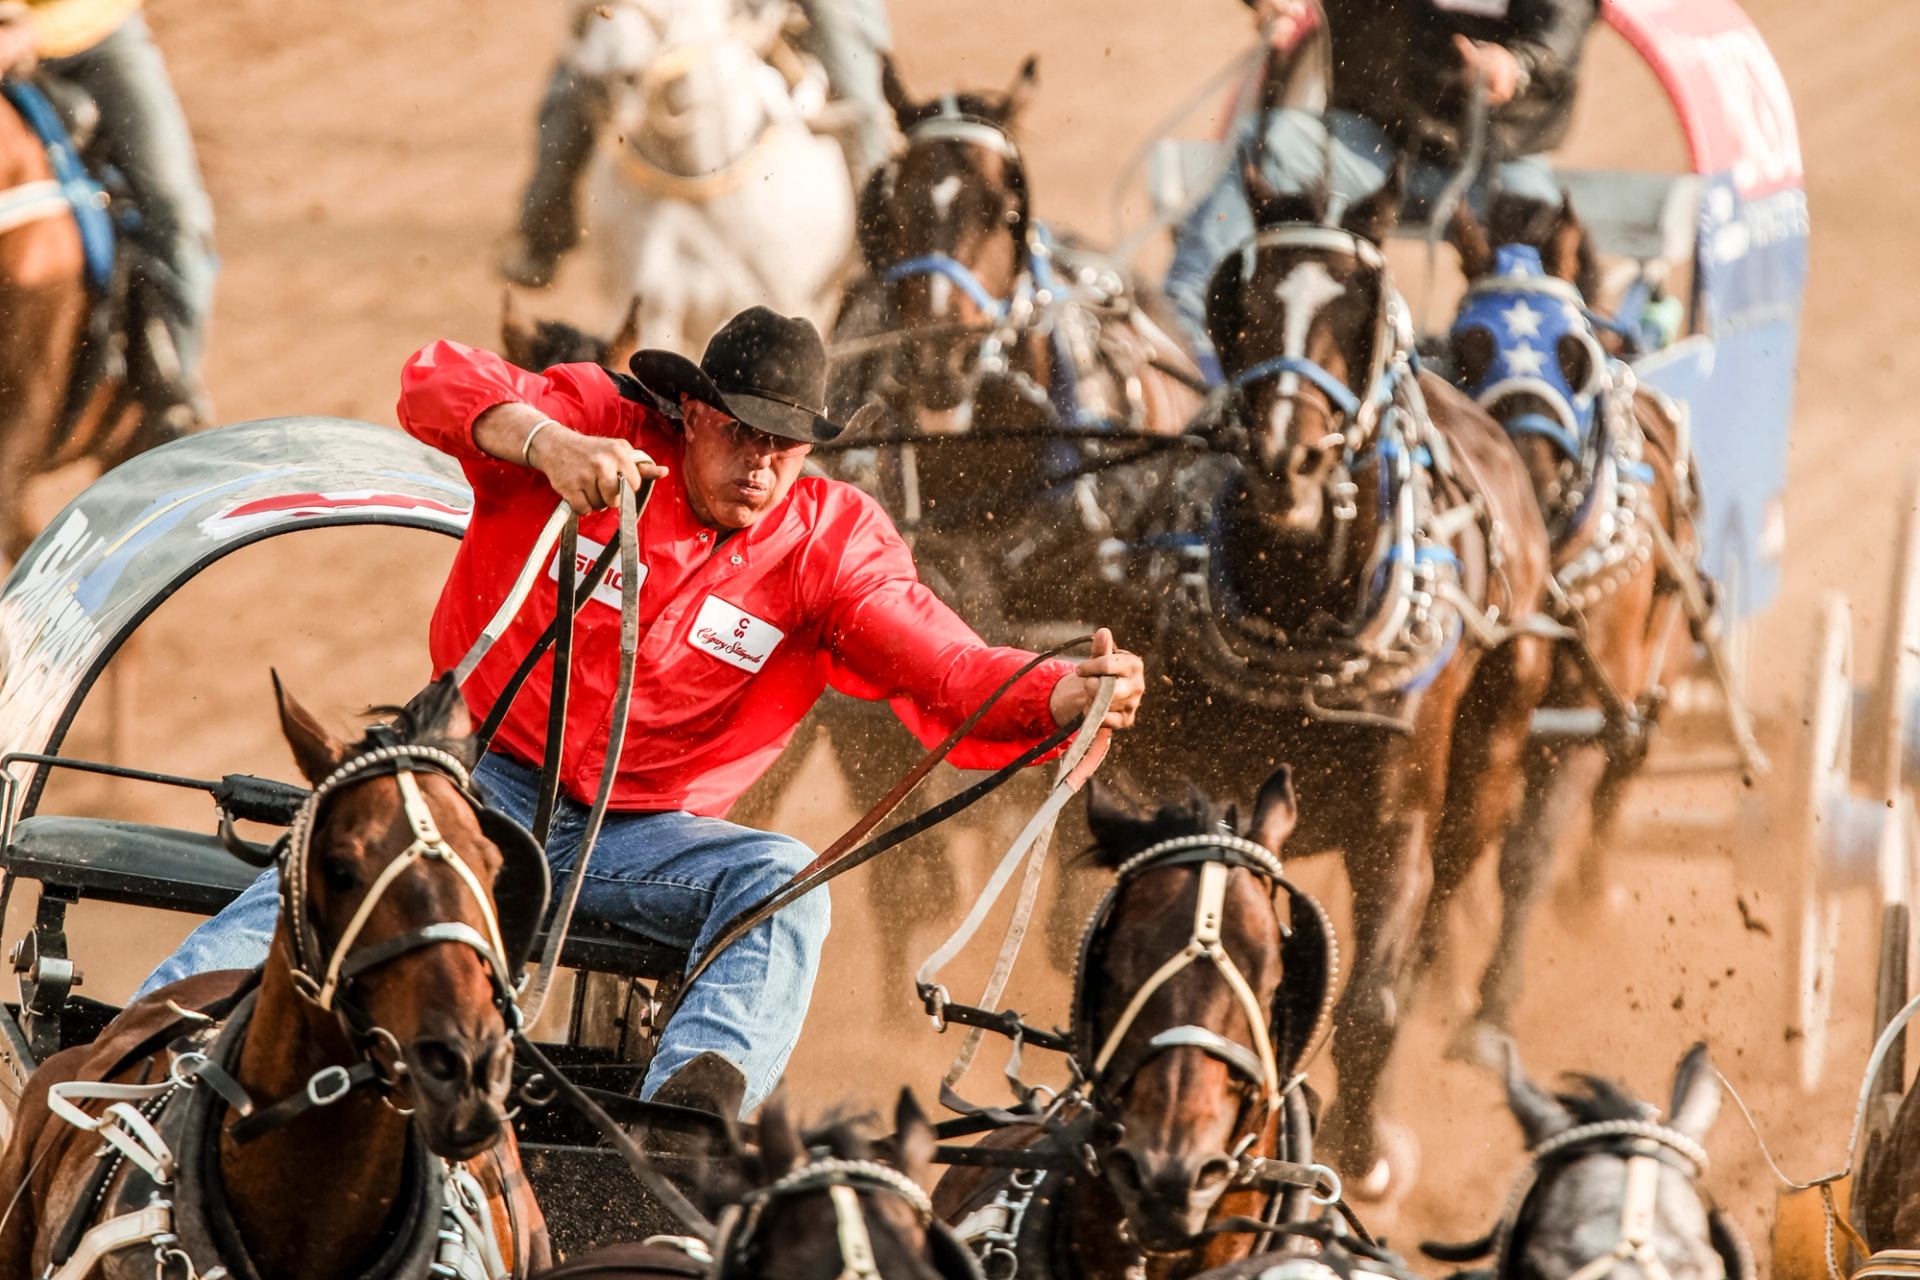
{"x": 1208, "y": 916}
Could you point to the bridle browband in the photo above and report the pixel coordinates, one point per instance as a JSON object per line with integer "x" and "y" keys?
{"x": 1216, "y": 855}
{"x": 731, "y": 1256}
{"x": 322, "y": 975}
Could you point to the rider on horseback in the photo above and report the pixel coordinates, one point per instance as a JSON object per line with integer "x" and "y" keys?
{"x": 105, "y": 48}
{"x": 846, "y": 36}
{"x": 761, "y": 587}
{"x": 1401, "y": 86}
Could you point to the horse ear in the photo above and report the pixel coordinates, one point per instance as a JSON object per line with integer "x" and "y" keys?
{"x": 1377, "y": 215}
{"x": 1468, "y": 235}
{"x": 626, "y": 339}
{"x": 1540, "y": 1114}
{"x": 516, "y": 333}
{"x": 1275, "y": 811}
{"x": 781, "y": 1148}
{"x": 913, "y": 1138}
{"x": 1020, "y": 92}
{"x": 1108, "y": 819}
{"x": 1224, "y": 318}
{"x": 898, "y": 99}
{"x": 315, "y": 750}
{"x": 1696, "y": 1095}
{"x": 1564, "y": 241}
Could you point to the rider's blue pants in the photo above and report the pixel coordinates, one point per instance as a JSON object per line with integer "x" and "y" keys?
{"x": 1296, "y": 152}
{"x": 673, "y": 877}
{"x": 145, "y": 135}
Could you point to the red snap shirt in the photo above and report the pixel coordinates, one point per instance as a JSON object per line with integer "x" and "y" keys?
{"x": 737, "y": 637}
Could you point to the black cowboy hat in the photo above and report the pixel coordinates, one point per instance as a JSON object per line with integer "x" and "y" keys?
{"x": 767, "y": 370}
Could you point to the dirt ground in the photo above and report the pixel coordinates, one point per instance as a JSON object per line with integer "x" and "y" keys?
{"x": 363, "y": 163}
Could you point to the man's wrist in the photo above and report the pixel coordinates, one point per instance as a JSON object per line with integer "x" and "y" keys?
{"x": 533, "y": 434}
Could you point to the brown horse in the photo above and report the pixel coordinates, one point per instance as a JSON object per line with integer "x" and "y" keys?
{"x": 1196, "y": 1002}
{"x": 1358, "y": 601}
{"x": 996, "y": 342}
{"x": 826, "y": 1205}
{"x": 333, "y": 1115}
{"x": 44, "y": 337}
{"x": 1612, "y": 474}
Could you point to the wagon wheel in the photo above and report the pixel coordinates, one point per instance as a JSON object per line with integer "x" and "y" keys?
{"x": 1809, "y": 839}
{"x": 1885, "y": 733}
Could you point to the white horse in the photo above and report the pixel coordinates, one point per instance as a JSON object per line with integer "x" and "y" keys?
{"x": 712, "y": 191}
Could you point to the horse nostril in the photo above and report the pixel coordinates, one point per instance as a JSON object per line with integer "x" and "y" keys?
{"x": 1125, "y": 1171}
{"x": 1213, "y": 1175}
{"x": 439, "y": 1061}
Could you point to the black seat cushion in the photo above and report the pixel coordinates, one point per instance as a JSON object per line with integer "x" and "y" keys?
{"x": 150, "y": 866}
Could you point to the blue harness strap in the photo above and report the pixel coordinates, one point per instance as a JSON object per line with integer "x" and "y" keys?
{"x": 941, "y": 264}
{"x": 1335, "y": 390}
{"x": 87, "y": 198}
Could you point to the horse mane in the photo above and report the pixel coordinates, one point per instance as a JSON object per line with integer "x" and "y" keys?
{"x": 1599, "y": 1100}
{"x": 422, "y": 723}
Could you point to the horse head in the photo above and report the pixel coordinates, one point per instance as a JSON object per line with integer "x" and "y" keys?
{"x": 537, "y": 345}
{"x": 829, "y": 1203}
{"x": 945, "y": 226}
{"x": 1305, "y": 319}
{"x": 1175, "y": 1004}
{"x": 390, "y": 920}
{"x": 1523, "y": 343}
{"x": 1613, "y": 1190}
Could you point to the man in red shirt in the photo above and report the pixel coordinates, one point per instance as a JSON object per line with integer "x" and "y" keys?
{"x": 759, "y": 588}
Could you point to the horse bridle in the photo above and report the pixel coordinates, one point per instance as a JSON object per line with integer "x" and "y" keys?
{"x": 950, "y": 124}
{"x": 1216, "y": 855}
{"x": 732, "y": 1256}
{"x": 323, "y": 975}
{"x": 1355, "y": 413}
{"x": 1645, "y": 1148}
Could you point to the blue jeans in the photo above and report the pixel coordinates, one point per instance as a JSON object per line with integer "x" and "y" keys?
{"x": 145, "y": 135}
{"x": 672, "y": 877}
{"x": 1293, "y": 160}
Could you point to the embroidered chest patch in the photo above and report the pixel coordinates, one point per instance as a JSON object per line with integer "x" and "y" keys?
{"x": 733, "y": 635}
{"x": 585, "y": 553}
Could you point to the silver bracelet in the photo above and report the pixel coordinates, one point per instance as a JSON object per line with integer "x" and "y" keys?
{"x": 526, "y": 447}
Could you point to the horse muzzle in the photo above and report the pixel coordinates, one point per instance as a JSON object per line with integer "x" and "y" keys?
{"x": 460, "y": 1086}
{"x": 1167, "y": 1196}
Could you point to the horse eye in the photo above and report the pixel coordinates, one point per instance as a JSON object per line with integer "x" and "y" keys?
{"x": 340, "y": 873}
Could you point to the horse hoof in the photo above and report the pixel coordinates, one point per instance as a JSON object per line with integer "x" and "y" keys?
{"x": 1479, "y": 1043}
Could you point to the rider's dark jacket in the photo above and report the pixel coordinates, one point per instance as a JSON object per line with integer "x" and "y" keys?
{"x": 1395, "y": 63}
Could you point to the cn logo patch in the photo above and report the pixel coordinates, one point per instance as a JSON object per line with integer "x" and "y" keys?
{"x": 733, "y": 635}
{"x": 588, "y": 551}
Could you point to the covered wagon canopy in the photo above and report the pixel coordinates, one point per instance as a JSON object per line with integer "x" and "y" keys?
{"x": 129, "y": 541}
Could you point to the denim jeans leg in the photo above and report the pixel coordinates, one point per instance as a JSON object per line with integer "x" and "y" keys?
{"x": 146, "y": 136}
{"x": 236, "y": 938}
{"x": 847, "y": 36}
{"x": 569, "y": 123}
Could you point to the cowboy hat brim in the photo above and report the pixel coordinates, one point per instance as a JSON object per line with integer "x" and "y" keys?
{"x": 667, "y": 376}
